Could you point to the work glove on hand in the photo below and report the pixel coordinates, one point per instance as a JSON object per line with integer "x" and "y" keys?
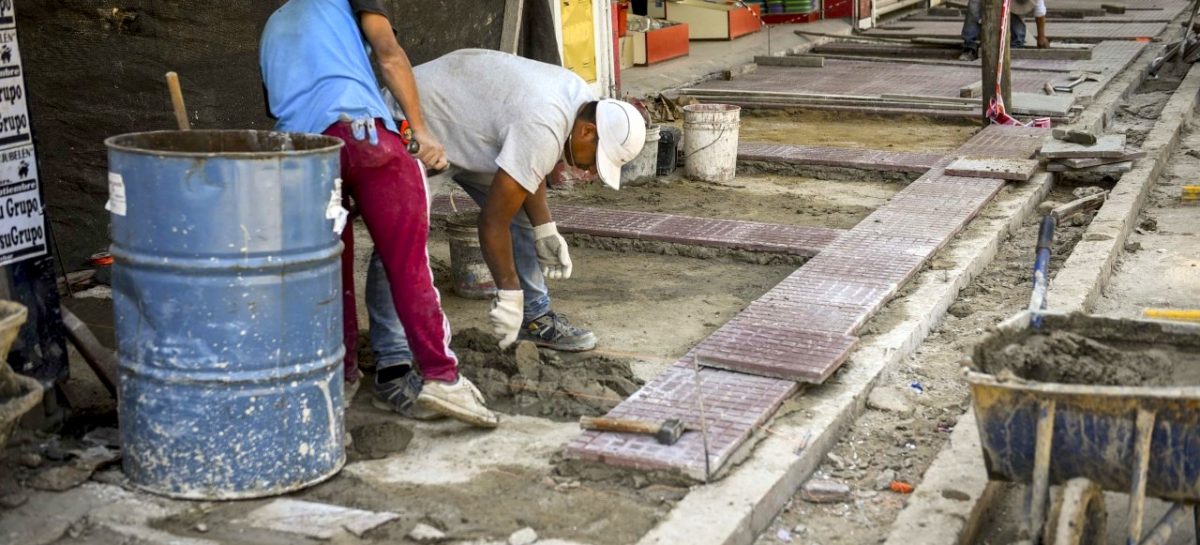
{"x": 508, "y": 309}
{"x": 552, "y": 251}
{"x": 432, "y": 153}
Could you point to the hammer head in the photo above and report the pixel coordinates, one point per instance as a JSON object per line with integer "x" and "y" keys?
{"x": 670, "y": 431}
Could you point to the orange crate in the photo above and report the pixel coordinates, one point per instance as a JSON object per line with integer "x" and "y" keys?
{"x": 660, "y": 45}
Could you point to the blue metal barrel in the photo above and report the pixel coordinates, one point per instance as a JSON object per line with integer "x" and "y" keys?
{"x": 227, "y": 295}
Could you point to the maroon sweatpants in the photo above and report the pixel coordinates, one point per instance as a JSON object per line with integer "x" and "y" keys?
{"x": 389, "y": 191}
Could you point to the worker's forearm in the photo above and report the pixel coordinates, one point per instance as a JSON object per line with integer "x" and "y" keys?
{"x": 496, "y": 240}
{"x": 537, "y": 208}
{"x": 398, "y": 77}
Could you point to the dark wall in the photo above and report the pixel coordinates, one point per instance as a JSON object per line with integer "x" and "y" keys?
{"x": 95, "y": 70}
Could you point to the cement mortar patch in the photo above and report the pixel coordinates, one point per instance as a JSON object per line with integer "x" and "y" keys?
{"x": 734, "y": 510}
{"x": 1087, "y": 270}
{"x": 843, "y": 174}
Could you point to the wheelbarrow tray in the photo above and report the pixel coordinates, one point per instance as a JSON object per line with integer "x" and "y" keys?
{"x": 1094, "y": 426}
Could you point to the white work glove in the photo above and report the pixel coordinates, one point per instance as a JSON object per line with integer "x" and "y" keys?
{"x": 552, "y": 251}
{"x": 508, "y": 308}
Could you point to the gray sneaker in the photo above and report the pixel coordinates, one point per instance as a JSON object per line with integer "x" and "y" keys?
{"x": 969, "y": 55}
{"x": 553, "y": 331}
{"x": 400, "y": 396}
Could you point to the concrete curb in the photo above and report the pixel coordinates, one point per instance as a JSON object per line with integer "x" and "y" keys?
{"x": 1089, "y": 267}
{"x": 735, "y": 510}
{"x": 942, "y": 510}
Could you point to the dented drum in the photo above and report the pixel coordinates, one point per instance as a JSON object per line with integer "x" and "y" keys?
{"x": 227, "y": 295}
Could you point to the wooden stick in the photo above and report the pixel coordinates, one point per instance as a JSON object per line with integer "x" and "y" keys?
{"x": 1172, "y": 314}
{"x": 618, "y": 425}
{"x": 1078, "y": 205}
{"x": 181, "y": 116}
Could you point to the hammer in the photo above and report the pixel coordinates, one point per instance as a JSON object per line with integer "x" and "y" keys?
{"x": 666, "y": 433}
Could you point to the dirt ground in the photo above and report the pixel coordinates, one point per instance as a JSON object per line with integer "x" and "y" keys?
{"x": 883, "y": 445}
{"x": 841, "y": 130}
{"x": 764, "y": 198}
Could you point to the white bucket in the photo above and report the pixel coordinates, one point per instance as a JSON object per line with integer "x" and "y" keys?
{"x": 643, "y": 167}
{"x": 710, "y": 141}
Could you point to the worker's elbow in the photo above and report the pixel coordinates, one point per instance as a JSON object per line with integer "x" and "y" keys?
{"x": 394, "y": 59}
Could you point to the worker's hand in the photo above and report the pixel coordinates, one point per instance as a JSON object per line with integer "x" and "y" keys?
{"x": 432, "y": 154}
{"x": 508, "y": 308}
{"x": 552, "y": 251}
{"x": 1043, "y": 42}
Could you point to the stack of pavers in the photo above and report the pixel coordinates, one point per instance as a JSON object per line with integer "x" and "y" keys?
{"x": 1081, "y": 152}
{"x": 803, "y": 329}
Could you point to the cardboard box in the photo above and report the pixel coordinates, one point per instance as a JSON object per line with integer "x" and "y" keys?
{"x": 708, "y": 21}
{"x": 659, "y": 45}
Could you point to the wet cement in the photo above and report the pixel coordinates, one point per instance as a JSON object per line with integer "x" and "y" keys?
{"x": 841, "y": 130}
{"x": 763, "y": 198}
{"x": 1071, "y": 358}
{"x": 544, "y": 383}
{"x": 380, "y": 439}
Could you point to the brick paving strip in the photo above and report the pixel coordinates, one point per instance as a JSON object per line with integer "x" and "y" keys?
{"x": 803, "y": 327}
{"x": 751, "y": 236}
{"x": 888, "y": 161}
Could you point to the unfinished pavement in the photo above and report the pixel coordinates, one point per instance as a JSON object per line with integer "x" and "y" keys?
{"x": 933, "y": 517}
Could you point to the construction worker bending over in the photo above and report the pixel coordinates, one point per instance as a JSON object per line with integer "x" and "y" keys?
{"x": 973, "y": 25}
{"x": 316, "y": 69}
{"x": 506, "y": 121}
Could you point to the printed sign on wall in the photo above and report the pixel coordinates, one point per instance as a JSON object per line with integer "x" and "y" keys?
{"x": 22, "y": 213}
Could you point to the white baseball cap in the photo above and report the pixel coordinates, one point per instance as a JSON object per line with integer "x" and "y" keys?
{"x": 621, "y": 131}
{"x": 1022, "y": 7}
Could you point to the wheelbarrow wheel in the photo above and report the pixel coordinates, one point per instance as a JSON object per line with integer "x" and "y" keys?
{"x": 1077, "y": 516}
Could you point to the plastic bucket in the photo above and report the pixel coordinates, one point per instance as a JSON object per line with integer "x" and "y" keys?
{"x": 643, "y": 167}
{"x": 18, "y": 393}
{"x": 227, "y": 294}
{"x": 710, "y": 141}
{"x": 472, "y": 278}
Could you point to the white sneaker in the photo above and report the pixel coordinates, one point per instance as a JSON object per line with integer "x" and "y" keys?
{"x": 460, "y": 401}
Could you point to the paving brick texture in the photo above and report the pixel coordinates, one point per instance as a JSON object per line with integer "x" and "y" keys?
{"x": 751, "y": 236}
{"x": 1081, "y": 32}
{"x": 888, "y": 161}
{"x": 804, "y": 328}
{"x": 733, "y": 405}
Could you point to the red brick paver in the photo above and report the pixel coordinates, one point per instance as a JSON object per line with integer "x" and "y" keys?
{"x": 888, "y": 161}
{"x": 657, "y": 227}
{"x": 734, "y": 404}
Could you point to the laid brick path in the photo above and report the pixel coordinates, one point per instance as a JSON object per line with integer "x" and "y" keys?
{"x": 803, "y": 328}
{"x": 888, "y": 161}
{"x": 733, "y": 404}
{"x": 1077, "y": 32}
{"x": 652, "y": 226}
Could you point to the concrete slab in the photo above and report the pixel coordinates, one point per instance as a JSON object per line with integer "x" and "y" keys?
{"x": 1067, "y": 32}
{"x": 1020, "y": 170}
{"x": 1091, "y": 162}
{"x": 1040, "y": 104}
{"x": 1109, "y": 145}
{"x": 316, "y": 520}
{"x": 811, "y": 61}
{"x": 1110, "y": 168}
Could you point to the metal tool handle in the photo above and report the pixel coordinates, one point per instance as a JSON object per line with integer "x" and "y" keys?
{"x": 618, "y": 425}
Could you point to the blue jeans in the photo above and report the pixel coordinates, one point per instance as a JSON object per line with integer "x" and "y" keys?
{"x": 387, "y": 335}
{"x": 973, "y": 27}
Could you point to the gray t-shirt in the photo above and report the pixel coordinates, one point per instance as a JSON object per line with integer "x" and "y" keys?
{"x": 495, "y": 110}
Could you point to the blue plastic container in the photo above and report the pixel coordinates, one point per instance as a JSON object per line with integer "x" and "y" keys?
{"x": 227, "y": 295}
